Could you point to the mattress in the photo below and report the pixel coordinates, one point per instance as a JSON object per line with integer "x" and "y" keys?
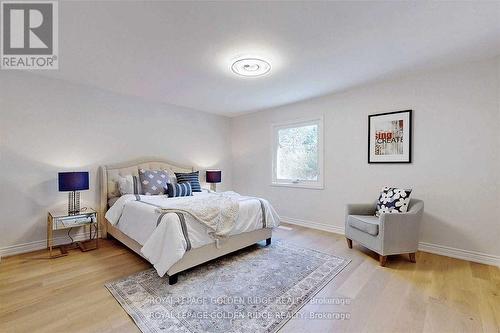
{"x": 165, "y": 237}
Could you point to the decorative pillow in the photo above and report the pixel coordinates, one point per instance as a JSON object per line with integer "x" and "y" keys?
{"x": 129, "y": 185}
{"x": 179, "y": 190}
{"x": 192, "y": 178}
{"x": 171, "y": 176}
{"x": 393, "y": 200}
{"x": 153, "y": 182}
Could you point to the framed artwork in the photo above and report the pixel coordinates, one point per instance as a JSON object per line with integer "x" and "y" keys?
{"x": 389, "y": 137}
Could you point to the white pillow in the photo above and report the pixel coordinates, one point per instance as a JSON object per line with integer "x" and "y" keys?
{"x": 171, "y": 176}
{"x": 129, "y": 185}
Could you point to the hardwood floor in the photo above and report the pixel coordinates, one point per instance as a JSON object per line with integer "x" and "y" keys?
{"x": 437, "y": 294}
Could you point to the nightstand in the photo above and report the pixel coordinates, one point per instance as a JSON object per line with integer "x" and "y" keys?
{"x": 61, "y": 219}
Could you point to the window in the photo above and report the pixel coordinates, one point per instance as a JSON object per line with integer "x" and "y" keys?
{"x": 298, "y": 154}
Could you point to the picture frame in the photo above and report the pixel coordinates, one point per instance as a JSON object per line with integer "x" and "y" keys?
{"x": 390, "y": 137}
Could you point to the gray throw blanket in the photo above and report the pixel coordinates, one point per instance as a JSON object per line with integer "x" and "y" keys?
{"x": 217, "y": 211}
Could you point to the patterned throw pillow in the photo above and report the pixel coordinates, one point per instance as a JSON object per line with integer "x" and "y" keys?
{"x": 191, "y": 177}
{"x": 129, "y": 185}
{"x": 393, "y": 200}
{"x": 179, "y": 190}
{"x": 153, "y": 182}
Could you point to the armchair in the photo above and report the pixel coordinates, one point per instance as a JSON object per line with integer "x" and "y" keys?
{"x": 391, "y": 233}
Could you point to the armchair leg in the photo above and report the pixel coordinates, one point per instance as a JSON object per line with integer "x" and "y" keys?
{"x": 349, "y": 242}
{"x": 382, "y": 259}
{"x": 412, "y": 257}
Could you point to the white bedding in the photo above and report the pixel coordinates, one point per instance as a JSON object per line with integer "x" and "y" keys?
{"x": 165, "y": 244}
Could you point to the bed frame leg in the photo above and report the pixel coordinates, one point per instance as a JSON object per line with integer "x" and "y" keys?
{"x": 268, "y": 241}
{"x": 172, "y": 279}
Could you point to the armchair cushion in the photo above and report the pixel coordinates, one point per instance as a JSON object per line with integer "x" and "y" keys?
{"x": 365, "y": 223}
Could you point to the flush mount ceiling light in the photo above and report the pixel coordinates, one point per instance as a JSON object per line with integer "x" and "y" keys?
{"x": 251, "y": 67}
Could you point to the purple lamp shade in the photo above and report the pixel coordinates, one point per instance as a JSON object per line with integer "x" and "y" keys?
{"x": 73, "y": 181}
{"x": 214, "y": 176}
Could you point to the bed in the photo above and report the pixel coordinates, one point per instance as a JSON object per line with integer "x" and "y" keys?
{"x": 129, "y": 220}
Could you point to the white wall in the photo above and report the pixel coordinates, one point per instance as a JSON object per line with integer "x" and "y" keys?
{"x": 47, "y": 126}
{"x": 456, "y": 154}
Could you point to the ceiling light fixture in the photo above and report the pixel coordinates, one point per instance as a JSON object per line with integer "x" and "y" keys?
{"x": 251, "y": 67}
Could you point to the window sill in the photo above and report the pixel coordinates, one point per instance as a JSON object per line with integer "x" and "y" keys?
{"x": 306, "y": 186}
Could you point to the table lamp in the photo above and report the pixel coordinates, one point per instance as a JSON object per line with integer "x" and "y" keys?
{"x": 213, "y": 177}
{"x": 73, "y": 182}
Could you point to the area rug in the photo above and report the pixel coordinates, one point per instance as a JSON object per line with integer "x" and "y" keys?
{"x": 257, "y": 289}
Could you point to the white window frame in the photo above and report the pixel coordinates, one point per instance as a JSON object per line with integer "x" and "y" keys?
{"x": 318, "y": 184}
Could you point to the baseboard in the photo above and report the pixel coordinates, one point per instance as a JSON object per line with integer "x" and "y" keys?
{"x": 482, "y": 258}
{"x": 447, "y": 251}
{"x": 479, "y": 257}
{"x": 40, "y": 244}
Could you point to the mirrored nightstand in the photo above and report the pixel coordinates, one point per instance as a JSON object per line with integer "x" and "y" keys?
{"x": 61, "y": 219}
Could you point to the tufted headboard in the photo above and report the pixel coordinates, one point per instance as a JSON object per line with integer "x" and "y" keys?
{"x": 109, "y": 174}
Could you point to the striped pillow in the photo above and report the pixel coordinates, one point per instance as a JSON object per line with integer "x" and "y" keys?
{"x": 192, "y": 178}
{"x": 178, "y": 190}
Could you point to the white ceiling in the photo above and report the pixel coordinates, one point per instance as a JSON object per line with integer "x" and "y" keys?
{"x": 180, "y": 52}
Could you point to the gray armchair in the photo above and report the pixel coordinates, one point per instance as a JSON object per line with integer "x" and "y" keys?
{"x": 391, "y": 233}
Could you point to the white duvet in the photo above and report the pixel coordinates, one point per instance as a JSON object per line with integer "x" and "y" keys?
{"x": 165, "y": 244}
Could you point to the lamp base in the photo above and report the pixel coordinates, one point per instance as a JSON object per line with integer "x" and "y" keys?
{"x": 213, "y": 187}
{"x": 73, "y": 203}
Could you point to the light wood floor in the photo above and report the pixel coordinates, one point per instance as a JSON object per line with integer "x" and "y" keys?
{"x": 437, "y": 294}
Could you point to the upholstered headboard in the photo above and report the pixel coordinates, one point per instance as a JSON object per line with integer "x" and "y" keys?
{"x": 109, "y": 175}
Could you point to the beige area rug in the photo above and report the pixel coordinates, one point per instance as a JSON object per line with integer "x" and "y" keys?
{"x": 257, "y": 289}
